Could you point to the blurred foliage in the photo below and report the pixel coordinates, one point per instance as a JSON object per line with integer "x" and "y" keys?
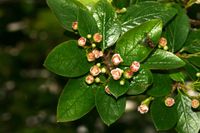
{"x": 28, "y": 92}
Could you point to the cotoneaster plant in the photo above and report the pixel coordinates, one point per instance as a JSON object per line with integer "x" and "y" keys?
{"x": 124, "y": 48}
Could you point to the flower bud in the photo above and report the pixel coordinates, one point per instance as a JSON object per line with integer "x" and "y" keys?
{"x": 122, "y": 82}
{"x": 75, "y": 25}
{"x": 97, "y": 80}
{"x": 198, "y": 74}
{"x": 90, "y": 57}
{"x": 93, "y": 45}
{"x": 97, "y": 37}
{"x": 98, "y": 64}
{"x": 96, "y": 53}
{"x": 128, "y": 74}
{"x": 107, "y": 90}
{"x": 166, "y": 48}
{"x": 81, "y": 41}
{"x": 163, "y": 42}
{"x": 116, "y": 59}
{"x": 103, "y": 70}
{"x": 135, "y": 66}
{"x": 195, "y": 103}
{"x": 143, "y": 108}
{"x": 89, "y": 79}
{"x": 89, "y": 36}
{"x": 116, "y": 73}
{"x": 95, "y": 70}
{"x": 169, "y": 101}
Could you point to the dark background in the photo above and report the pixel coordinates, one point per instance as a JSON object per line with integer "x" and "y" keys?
{"x": 28, "y": 92}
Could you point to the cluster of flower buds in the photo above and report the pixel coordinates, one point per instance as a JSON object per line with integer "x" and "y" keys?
{"x": 195, "y": 103}
{"x": 163, "y": 43}
{"x": 94, "y": 54}
{"x": 169, "y": 101}
{"x": 94, "y": 71}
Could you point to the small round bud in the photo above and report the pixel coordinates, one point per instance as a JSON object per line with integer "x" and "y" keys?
{"x": 128, "y": 74}
{"x": 75, "y": 25}
{"x": 89, "y": 36}
{"x": 163, "y": 42}
{"x": 123, "y": 10}
{"x": 195, "y": 103}
{"x": 198, "y": 74}
{"x": 89, "y": 79}
{"x": 116, "y": 59}
{"x": 98, "y": 64}
{"x": 116, "y": 73}
{"x": 103, "y": 70}
{"x": 82, "y": 41}
{"x": 90, "y": 57}
{"x": 97, "y": 37}
{"x": 169, "y": 101}
{"x": 97, "y": 80}
{"x": 135, "y": 66}
{"x": 121, "y": 82}
{"x": 166, "y": 48}
{"x": 143, "y": 108}
{"x": 107, "y": 90}
{"x": 95, "y": 70}
{"x": 93, "y": 45}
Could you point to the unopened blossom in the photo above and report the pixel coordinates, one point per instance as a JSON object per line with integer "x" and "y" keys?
{"x": 81, "y": 41}
{"x": 163, "y": 42}
{"x": 116, "y": 73}
{"x": 97, "y": 37}
{"x": 107, "y": 90}
{"x": 95, "y": 70}
{"x": 90, "y": 57}
{"x": 116, "y": 59}
{"x": 143, "y": 108}
{"x": 128, "y": 74}
{"x": 195, "y": 103}
{"x": 97, "y": 53}
{"x": 169, "y": 101}
{"x": 103, "y": 70}
{"x": 122, "y": 82}
{"x": 97, "y": 80}
{"x": 135, "y": 66}
{"x": 75, "y": 25}
{"x": 89, "y": 79}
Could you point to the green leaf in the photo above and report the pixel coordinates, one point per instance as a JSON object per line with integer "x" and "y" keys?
{"x": 86, "y": 23}
{"x": 120, "y": 3}
{"x": 192, "y": 44}
{"x": 66, "y": 11}
{"x": 109, "y": 108}
{"x": 88, "y": 3}
{"x": 132, "y": 46}
{"x": 140, "y": 82}
{"x": 178, "y": 76}
{"x": 191, "y": 70}
{"x": 67, "y": 59}
{"x": 107, "y": 23}
{"x": 188, "y": 121}
{"x": 162, "y": 85}
{"x": 116, "y": 89}
{"x": 177, "y": 31}
{"x": 76, "y": 100}
{"x": 162, "y": 59}
{"x": 145, "y": 11}
{"x": 164, "y": 117}
{"x": 195, "y": 60}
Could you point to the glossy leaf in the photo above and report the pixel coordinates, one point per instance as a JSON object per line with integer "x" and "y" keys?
{"x": 76, "y": 100}
{"x": 162, "y": 85}
{"x": 162, "y": 59}
{"x": 177, "y": 31}
{"x": 66, "y": 11}
{"x": 164, "y": 118}
{"x": 178, "y": 76}
{"x": 191, "y": 70}
{"x": 195, "y": 60}
{"x": 132, "y": 46}
{"x": 109, "y": 108}
{"x": 188, "y": 121}
{"x": 107, "y": 23}
{"x": 116, "y": 89}
{"x": 67, "y": 59}
{"x": 145, "y": 11}
{"x": 140, "y": 82}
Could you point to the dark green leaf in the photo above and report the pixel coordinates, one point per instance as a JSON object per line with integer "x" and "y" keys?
{"x": 178, "y": 76}
{"x": 162, "y": 85}
{"x": 132, "y": 46}
{"x": 188, "y": 121}
{"x": 120, "y": 3}
{"x": 177, "y": 31}
{"x": 162, "y": 59}
{"x": 164, "y": 117}
{"x": 107, "y": 23}
{"x": 109, "y": 108}
{"x": 195, "y": 60}
{"x": 66, "y": 11}
{"x": 191, "y": 70}
{"x": 76, "y": 100}
{"x": 67, "y": 59}
{"x": 140, "y": 82}
{"x": 145, "y": 11}
{"x": 116, "y": 89}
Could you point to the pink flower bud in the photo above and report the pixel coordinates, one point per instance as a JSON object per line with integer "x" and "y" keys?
{"x": 135, "y": 66}
{"x": 163, "y": 42}
{"x": 100, "y": 53}
{"x": 128, "y": 74}
{"x": 95, "y": 70}
{"x": 81, "y": 41}
{"x": 195, "y": 103}
{"x": 90, "y": 57}
{"x": 116, "y": 59}
{"x": 107, "y": 90}
{"x": 97, "y": 37}
{"x": 89, "y": 79}
{"x": 97, "y": 53}
{"x": 143, "y": 108}
{"x": 116, "y": 73}
{"x": 169, "y": 101}
{"x": 75, "y": 25}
